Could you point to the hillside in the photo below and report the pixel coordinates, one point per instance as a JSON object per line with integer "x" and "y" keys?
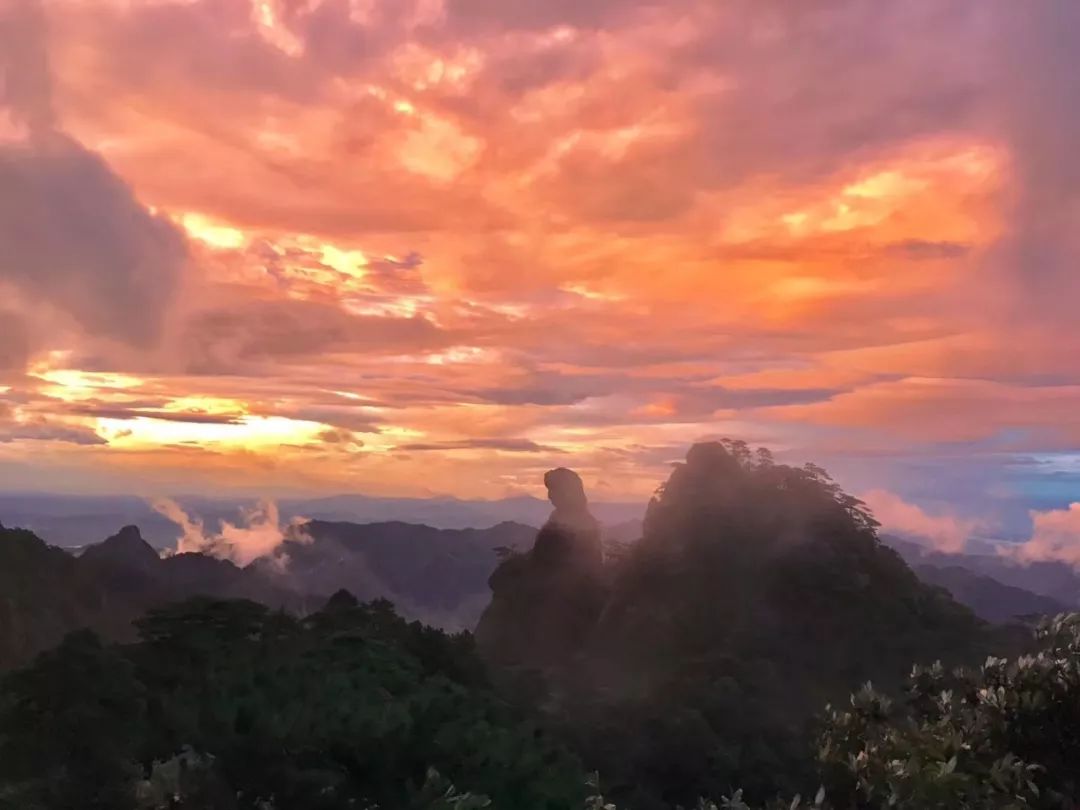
{"x": 989, "y": 599}
{"x": 44, "y": 593}
{"x": 758, "y": 593}
{"x": 436, "y": 575}
{"x": 995, "y": 585}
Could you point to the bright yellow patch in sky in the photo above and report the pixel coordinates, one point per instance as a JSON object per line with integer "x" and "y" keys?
{"x": 249, "y": 433}
{"x": 71, "y": 385}
{"x": 214, "y": 234}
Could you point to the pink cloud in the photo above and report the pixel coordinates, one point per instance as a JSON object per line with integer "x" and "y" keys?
{"x": 945, "y": 533}
{"x": 1055, "y": 537}
{"x": 259, "y": 532}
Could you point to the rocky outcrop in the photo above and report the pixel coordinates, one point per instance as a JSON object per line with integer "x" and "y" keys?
{"x": 545, "y": 603}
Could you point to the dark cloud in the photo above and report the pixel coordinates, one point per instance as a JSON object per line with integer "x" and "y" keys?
{"x": 14, "y": 341}
{"x": 188, "y": 417}
{"x": 847, "y": 82}
{"x": 72, "y": 234}
{"x": 918, "y": 249}
{"x": 48, "y": 432}
{"x": 765, "y": 397}
{"x": 1040, "y": 117}
{"x": 533, "y": 395}
{"x": 690, "y": 395}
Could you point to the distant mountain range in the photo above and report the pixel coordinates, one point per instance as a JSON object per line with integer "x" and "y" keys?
{"x": 995, "y": 587}
{"x": 438, "y": 575}
{"x": 73, "y": 520}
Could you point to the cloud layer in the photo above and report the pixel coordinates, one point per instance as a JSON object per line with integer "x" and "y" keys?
{"x": 442, "y": 245}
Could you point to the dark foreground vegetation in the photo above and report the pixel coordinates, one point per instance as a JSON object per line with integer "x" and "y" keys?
{"x": 698, "y": 663}
{"x": 226, "y": 704}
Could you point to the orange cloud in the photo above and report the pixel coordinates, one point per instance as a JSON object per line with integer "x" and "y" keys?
{"x": 326, "y": 235}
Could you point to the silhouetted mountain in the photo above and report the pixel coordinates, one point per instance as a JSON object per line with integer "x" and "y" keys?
{"x": 741, "y": 554}
{"x": 757, "y": 593}
{"x": 124, "y": 551}
{"x": 544, "y": 603}
{"x": 44, "y": 594}
{"x": 989, "y": 599}
{"x": 1057, "y": 581}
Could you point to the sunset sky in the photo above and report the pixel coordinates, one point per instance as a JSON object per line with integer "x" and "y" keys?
{"x": 413, "y": 247}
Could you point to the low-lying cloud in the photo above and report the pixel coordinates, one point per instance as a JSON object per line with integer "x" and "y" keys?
{"x": 1055, "y": 537}
{"x": 948, "y": 534}
{"x": 259, "y": 533}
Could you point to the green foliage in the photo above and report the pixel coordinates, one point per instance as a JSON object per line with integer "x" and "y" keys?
{"x": 69, "y": 729}
{"x": 224, "y": 704}
{"x": 758, "y": 593}
{"x": 1004, "y": 736}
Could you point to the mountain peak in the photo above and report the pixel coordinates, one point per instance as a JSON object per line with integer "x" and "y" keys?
{"x": 126, "y": 548}
{"x": 22, "y": 542}
{"x": 128, "y": 534}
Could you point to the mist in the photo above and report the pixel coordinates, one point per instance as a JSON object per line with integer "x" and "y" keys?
{"x": 259, "y": 533}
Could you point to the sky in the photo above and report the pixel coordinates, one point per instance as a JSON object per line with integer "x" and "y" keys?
{"x": 417, "y": 247}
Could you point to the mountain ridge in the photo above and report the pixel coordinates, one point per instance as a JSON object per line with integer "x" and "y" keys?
{"x": 438, "y": 575}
